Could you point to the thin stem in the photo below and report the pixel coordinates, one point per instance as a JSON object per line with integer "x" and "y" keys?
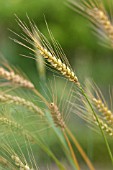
{"x": 71, "y": 150}
{"x": 106, "y": 142}
{"x": 49, "y": 152}
{"x": 83, "y": 154}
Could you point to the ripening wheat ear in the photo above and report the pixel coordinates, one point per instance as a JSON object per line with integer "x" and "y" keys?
{"x": 19, "y": 163}
{"x": 4, "y": 163}
{"x": 55, "y": 58}
{"x": 15, "y": 127}
{"x": 107, "y": 114}
{"x": 7, "y": 98}
{"x": 95, "y": 11}
{"x": 16, "y": 79}
{"x": 17, "y": 158}
{"x": 59, "y": 122}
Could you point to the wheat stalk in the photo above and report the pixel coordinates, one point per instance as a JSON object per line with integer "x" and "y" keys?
{"x": 59, "y": 122}
{"x": 15, "y": 78}
{"x": 20, "y": 101}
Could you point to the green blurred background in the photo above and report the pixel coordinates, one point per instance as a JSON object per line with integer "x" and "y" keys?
{"x": 72, "y": 31}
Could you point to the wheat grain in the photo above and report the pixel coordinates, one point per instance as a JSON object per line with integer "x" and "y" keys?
{"x": 20, "y": 101}
{"x": 20, "y": 164}
{"x": 4, "y": 162}
{"x": 58, "y": 64}
{"x": 15, "y": 78}
{"x": 56, "y": 115}
{"x": 104, "y": 126}
{"x": 108, "y": 115}
{"x": 46, "y": 50}
{"x": 95, "y": 11}
{"x": 16, "y": 126}
{"x": 103, "y": 21}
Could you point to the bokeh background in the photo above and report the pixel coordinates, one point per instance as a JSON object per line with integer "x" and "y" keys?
{"x": 87, "y": 57}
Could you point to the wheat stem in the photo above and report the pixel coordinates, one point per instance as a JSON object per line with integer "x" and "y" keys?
{"x": 96, "y": 117}
{"x": 83, "y": 154}
{"x": 58, "y": 120}
{"x": 71, "y": 150}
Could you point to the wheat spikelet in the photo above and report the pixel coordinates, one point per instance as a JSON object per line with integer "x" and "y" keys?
{"x": 4, "y": 162}
{"x": 56, "y": 115}
{"x": 95, "y": 11}
{"x": 58, "y": 61}
{"x": 19, "y": 163}
{"x": 20, "y": 101}
{"x": 15, "y": 126}
{"x": 103, "y": 21}
{"x": 58, "y": 64}
{"x": 15, "y": 78}
{"x": 108, "y": 115}
{"x": 104, "y": 126}
{"x": 6, "y": 121}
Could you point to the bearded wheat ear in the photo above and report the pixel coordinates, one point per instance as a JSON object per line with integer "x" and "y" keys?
{"x": 56, "y": 115}
{"x": 16, "y": 127}
{"x": 104, "y": 126}
{"x": 15, "y": 78}
{"x": 20, "y": 101}
{"x": 4, "y": 162}
{"x": 108, "y": 115}
{"x": 94, "y": 10}
{"x": 45, "y": 49}
{"x": 59, "y": 122}
{"x": 19, "y": 163}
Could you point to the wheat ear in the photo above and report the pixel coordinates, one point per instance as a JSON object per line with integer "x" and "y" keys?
{"x": 103, "y": 21}
{"x": 104, "y": 126}
{"x": 16, "y": 126}
{"x": 46, "y": 50}
{"x": 108, "y": 115}
{"x": 20, "y": 101}
{"x": 56, "y": 115}
{"x": 19, "y": 163}
{"x": 59, "y": 122}
{"x": 4, "y": 162}
{"x": 15, "y": 78}
{"x": 94, "y": 10}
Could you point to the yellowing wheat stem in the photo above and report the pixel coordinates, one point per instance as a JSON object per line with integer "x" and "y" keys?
{"x": 83, "y": 154}
{"x": 71, "y": 150}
